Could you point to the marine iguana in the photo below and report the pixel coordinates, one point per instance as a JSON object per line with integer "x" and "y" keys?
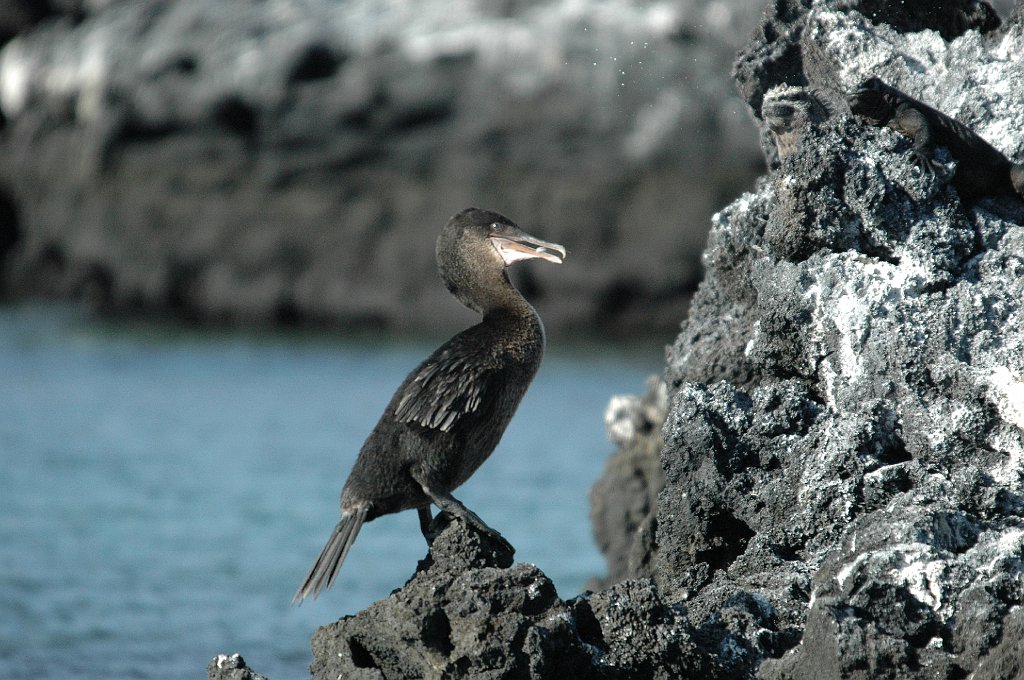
{"x": 981, "y": 169}
{"x": 786, "y": 110}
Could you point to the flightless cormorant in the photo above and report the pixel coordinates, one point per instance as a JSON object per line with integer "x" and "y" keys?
{"x": 449, "y": 413}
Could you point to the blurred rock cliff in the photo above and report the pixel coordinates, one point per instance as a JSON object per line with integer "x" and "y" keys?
{"x": 293, "y": 160}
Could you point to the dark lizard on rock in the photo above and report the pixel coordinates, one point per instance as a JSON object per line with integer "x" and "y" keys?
{"x": 981, "y": 169}
{"x": 786, "y": 110}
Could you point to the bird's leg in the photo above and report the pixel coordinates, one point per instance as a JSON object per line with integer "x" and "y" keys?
{"x": 425, "y": 520}
{"x": 453, "y": 506}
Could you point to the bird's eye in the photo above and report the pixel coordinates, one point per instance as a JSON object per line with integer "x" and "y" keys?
{"x": 497, "y": 226}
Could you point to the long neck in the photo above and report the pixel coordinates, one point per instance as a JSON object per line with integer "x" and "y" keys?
{"x": 519, "y": 311}
{"x": 518, "y": 325}
{"x": 507, "y": 313}
{"x": 492, "y": 296}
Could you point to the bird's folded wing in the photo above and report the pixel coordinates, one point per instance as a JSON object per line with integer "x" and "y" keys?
{"x": 446, "y": 387}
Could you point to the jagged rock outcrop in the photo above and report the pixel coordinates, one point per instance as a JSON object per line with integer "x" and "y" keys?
{"x": 468, "y": 612}
{"x": 230, "y": 667}
{"x": 845, "y": 445}
{"x": 293, "y": 162}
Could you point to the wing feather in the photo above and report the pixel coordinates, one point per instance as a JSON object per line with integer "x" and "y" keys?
{"x": 447, "y": 386}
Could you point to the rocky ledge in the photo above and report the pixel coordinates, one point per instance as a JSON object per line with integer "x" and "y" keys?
{"x": 469, "y": 612}
{"x": 841, "y": 482}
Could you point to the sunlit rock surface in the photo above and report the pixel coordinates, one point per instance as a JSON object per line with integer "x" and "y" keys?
{"x": 293, "y": 161}
{"x": 845, "y": 449}
{"x": 230, "y": 667}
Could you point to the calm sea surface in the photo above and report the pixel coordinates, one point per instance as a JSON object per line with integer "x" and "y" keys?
{"x": 163, "y": 492}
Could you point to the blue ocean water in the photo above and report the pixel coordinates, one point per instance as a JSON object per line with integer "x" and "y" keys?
{"x": 163, "y": 492}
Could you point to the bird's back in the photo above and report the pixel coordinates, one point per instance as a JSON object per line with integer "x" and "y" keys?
{"x": 448, "y": 415}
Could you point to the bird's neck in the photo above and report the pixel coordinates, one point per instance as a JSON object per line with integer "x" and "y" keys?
{"x": 519, "y": 311}
{"x": 510, "y": 322}
{"x": 518, "y": 326}
{"x": 494, "y": 298}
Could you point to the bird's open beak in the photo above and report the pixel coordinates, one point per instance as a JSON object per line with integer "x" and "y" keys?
{"x": 514, "y": 246}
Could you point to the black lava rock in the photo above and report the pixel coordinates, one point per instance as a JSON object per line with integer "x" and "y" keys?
{"x": 231, "y": 162}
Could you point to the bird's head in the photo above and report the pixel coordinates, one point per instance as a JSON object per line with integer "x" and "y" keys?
{"x": 475, "y": 247}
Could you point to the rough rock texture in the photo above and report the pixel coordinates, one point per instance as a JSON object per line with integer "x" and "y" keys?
{"x": 466, "y": 613}
{"x": 294, "y": 161}
{"x": 230, "y": 667}
{"x": 845, "y": 445}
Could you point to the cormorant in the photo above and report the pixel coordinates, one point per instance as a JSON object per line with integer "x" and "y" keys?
{"x": 449, "y": 413}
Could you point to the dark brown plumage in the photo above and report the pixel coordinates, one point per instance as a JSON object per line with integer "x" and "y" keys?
{"x": 447, "y": 416}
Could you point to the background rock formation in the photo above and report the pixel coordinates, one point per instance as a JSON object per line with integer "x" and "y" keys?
{"x": 624, "y": 499}
{"x": 294, "y": 161}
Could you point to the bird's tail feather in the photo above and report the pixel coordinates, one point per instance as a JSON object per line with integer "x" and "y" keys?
{"x": 325, "y": 569}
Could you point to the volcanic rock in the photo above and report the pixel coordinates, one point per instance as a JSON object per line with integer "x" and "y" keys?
{"x": 845, "y": 443}
{"x": 469, "y": 612}
{"x": 270, "y": 162}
